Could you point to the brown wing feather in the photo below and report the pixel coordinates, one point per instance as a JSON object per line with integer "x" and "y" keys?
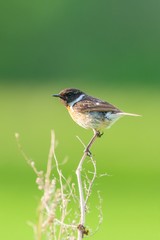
{"x": 93, "y": 104}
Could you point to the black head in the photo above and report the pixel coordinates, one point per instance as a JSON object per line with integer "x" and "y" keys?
{"x": 69, "y": 95}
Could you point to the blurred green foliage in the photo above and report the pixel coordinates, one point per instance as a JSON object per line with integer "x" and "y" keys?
{"x": 115, "y": 40}
{"x": 109, "y": 49}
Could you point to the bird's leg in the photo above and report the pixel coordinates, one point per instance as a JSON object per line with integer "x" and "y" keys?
{"x": 96, "y": 134}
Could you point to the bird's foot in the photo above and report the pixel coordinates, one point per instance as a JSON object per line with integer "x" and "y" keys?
{"x": 99, "y": 134}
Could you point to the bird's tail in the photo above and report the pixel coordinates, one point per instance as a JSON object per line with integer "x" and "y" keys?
{"x": 129, "y": 114}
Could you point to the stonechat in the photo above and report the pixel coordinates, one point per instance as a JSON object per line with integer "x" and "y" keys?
{"x": 90, "y": 112}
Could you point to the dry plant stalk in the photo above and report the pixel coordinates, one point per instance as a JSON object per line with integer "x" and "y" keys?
{"x": 56, "y": 221}
{"x": 81, "y": 228}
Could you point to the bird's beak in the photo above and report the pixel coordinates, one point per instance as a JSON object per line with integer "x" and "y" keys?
{"x": 56, "y": 95}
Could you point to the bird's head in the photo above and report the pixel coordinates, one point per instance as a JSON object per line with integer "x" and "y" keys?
{"x": 69, "y": 95}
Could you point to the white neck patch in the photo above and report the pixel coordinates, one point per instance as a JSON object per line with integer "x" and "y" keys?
{"x": 71, "y": 104}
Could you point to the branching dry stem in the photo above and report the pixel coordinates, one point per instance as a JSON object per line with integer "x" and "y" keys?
{"x": 82, "y": 201}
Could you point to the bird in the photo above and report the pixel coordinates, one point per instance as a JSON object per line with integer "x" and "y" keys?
{"x": 90, "y": 112}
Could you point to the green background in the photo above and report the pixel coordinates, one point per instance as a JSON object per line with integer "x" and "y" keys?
{"x": 109, "y": 49}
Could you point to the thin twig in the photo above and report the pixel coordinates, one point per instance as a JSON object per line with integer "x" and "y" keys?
{"x": 64, "y": 203}
{"x": 28, "y": 160}
{"x": 49, "y": 163}
{"x": 100, "y": 216}
{"x": 65, "y": 224}
{"x": 92, "y": 180}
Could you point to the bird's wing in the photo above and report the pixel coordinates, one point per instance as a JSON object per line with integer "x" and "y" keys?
{"x": 89, "y": 103}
